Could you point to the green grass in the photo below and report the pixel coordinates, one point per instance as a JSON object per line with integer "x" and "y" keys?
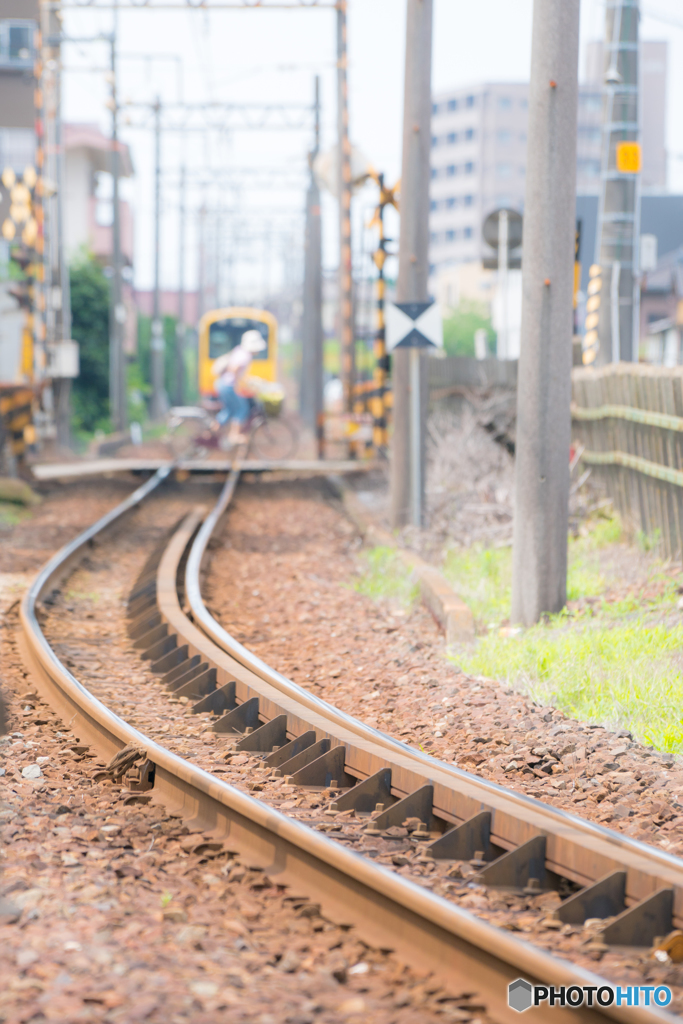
{"x": 623, "y": 676}
{"x": 12, "y": 514}
{"x": 483, "y": 576}
{"x": 385, "y": 577}
{"x": 589, "y": 661}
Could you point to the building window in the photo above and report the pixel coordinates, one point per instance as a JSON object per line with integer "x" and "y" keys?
{"x": 17, "y": 148}
{"x": 435, "y": 140}
{"x": 589, "y": 168}
{"x": 450, "y": 170}
{"x": 504, "y": 103}
{"x": 504, "y": 137}
{"x": 450, "y": 236}
{"x": 469, "y": 167}
{"x": 435, "y": 108}
{"x": 450, "y": 203}
{"x": 435, "y": 173}
{"x": 434, "y": 237}
{"x": 452, "y": 105}
{"x": 467, "y": 232}
{"x": 469, "y": 101}
{"x": 16, "y": 43}
{"x": 589, "y": 133}
{"x": 468, "y": 200}
{"x": 434, "y": 205}
{"x": 469, "y": 134}
{"x": 503, "y": 170}
{"x": 451, "y": 138}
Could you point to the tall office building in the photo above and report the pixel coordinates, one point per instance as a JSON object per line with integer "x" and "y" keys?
{"x": 479, "y": 151}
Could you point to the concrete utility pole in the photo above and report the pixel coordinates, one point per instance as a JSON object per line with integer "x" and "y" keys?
{"x": 117, "y": 311}
{"x": 618, "y": 234}
{"x": 180, "y": 326}
{"x": 347, "y": 339}
{"x": 201, "y": 270}
{"x": 311, "y": 401}
{"x": 539, "y": 566}
{"x": 159, "y": 400}
{"x": 409, "y": 380}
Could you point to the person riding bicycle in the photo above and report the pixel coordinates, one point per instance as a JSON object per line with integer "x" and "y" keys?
{"x": 230, "y": 370}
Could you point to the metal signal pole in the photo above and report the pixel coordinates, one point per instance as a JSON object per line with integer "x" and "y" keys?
{"x": 346, "y": 327}
{"x": 408, "y": 378}
{"x": 311, "y": 402}
{"x": 617, "y": 304}
{"x": 180, "y": 326}
{"x": 539, "y": 566}
{"x": 159, "y": 400}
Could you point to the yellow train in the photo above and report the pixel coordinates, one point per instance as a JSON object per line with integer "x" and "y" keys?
{"x": 220, "y": 330}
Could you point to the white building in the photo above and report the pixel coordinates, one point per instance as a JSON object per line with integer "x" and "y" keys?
{"x": 479, "y": 136}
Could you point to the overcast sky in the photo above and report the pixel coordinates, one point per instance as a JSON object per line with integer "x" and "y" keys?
{"x": 271, "y": 56}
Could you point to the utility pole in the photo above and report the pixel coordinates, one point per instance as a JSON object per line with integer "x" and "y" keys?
{"x": 159, "y": 401}
{"x": 539, "y": 554}
{"x": 201, "y": 282}
{"x": 311, "y": 401}
{"x": 346, "y": 325}
{"x": 613, "y": 321}
{"x": 117, "y": 311}
{"x": 180, "y": 326}
{"x": 409, "y": 380}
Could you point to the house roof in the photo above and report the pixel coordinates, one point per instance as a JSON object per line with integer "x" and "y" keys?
{"x": 98, "y": 146}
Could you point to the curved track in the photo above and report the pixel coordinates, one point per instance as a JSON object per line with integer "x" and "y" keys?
{"x": 303, "y": 737}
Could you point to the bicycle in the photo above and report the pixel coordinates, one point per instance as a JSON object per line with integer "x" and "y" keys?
{"x": 273, "y": 438}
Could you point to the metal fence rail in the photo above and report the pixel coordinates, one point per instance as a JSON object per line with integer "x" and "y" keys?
{"x": 629, "y": 417}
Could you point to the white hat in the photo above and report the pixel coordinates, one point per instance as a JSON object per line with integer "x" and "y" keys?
{"x": 253, "y": 341}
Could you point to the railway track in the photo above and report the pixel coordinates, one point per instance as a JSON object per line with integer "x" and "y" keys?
{"x": 371, "y": 785}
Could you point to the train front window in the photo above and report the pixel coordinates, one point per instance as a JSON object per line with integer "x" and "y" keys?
{"x": 225, "y": 335}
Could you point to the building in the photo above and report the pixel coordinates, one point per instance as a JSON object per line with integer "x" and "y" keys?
{"x": 654, "y": 60}
{"x": 18, "y": 28}
{"x": 478, "y": 164}
{"x": 89, "y": 212}
{"x": 479, "y": 138}
{"x": 661, "y": 311}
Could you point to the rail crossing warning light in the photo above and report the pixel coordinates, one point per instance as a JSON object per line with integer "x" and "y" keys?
{"x": 629, "y": 157}
{"x": 591, "y": 342}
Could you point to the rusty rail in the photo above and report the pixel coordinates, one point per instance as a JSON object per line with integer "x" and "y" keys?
{"x": 388, "y": 910}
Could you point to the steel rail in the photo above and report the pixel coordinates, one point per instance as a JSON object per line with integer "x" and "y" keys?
{"x": 577, "y": 849}
{"x": 388, "y": 910}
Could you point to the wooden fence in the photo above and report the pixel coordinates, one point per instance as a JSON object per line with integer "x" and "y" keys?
{"x": 629, "y": 417}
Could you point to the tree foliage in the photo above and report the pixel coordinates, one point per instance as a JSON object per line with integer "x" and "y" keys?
{"x": 90, "y": 296}
{"x": 459, "y": 328}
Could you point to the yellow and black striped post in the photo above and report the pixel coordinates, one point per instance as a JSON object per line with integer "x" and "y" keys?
{"x": 378, "y": 402}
